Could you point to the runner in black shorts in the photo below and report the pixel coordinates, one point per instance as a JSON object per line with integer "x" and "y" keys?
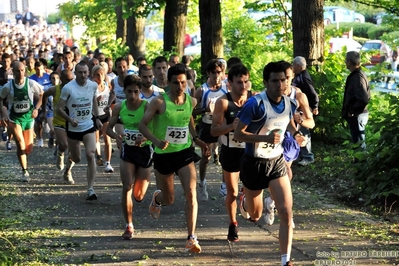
{"x": 224, "y": 122}
{"x": 262, "y": 123}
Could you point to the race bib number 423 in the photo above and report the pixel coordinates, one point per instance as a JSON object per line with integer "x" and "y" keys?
{"x": 177, "y": 135}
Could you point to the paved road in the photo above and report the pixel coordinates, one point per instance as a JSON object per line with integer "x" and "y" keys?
{"x": 93, "y": 229}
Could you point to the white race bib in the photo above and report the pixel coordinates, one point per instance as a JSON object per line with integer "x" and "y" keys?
{"x": 131, "y": 136}
{"x": 263, "y": 149}
{"x": 235, "y": 143}
{"x": 22, "y": 106}
{"x": 176, "y": 135}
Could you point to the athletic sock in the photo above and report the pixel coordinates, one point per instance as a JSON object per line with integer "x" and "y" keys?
{"x": 284, "y": 259}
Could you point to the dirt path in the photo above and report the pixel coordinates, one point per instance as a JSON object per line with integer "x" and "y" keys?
{"x": 75, "y": 231}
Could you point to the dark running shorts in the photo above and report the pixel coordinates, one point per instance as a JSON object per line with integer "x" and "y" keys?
{"x": 104, "y": 118}
{"x": 139, "y": 156}
{"x": 230, "y": 158}
{"x": 167, "y": 163}
{"x": 205, "y": 133}
{"x": 256, "y": 173}
{"x": 79, "y": 135}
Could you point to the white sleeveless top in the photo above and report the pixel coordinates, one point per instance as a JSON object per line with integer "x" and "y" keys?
{"x": 209, "y": 97}
{"x": 118, "y": 90}
{"x": 79, "y": 101}
{"x": 273, "y": 121}
{"x": 103, "y": 101}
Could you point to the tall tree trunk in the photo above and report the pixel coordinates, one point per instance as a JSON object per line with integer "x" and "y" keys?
{"x": 211, "y": 32}
{"x": 121, "y": 27}
{"x": 135, "y": 35}
{"x": 175, "y": 25}
{"x": 308, "y": 30}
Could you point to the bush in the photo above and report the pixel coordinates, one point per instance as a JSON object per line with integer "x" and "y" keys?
{"x": 359, "y": 29}
{"x": 376, "y": 32}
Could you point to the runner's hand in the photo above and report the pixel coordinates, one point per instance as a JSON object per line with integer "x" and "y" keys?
{"x": 162, "y": 144}
{"x": 273, "y": 136}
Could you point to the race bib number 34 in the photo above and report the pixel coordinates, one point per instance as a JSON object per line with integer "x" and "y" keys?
{"x": 177, "y": 135}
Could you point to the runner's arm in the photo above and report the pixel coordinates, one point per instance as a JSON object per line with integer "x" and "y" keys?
{"x": 219, "y": 126}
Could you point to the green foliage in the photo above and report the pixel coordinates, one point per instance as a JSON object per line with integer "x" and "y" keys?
{"x": 359, "y": 29}
{"x": 377, "y": 32}
{"x": 53, "y": 18}
{"x": 378, "y": 174}
{"x": 114, "y": 48}
{"x": 251, "y": 41}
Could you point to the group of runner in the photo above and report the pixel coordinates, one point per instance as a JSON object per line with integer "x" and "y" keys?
{"x": 150, "y": 113}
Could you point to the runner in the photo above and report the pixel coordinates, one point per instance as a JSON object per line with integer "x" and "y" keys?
{"x": 224, "y": 121}
{"x": 79, "y": 97}
{"x": 60, "y": 123}
{"x": 20, "y": 94}
{"x": 206, "y": 96}
{"x": 148, "y": 90}
{"x": 171, "y": 114}
{"x": 261, "y": 122}
{"x": 102, "y": 95}
{"x": 136, "y": 155}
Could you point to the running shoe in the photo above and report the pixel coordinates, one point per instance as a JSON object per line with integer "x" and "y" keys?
{"x": 244, "y": 213}
{"x": 128, "y": 234}
{"x": 68, "y": 178}
{"x": 8, "y": 145}
{"x": 108, "y": 168}
{"x": 192, "y": 245}
{"x": 60, "y": 161}
{"x": 4, "y": 135}
{"x": 223, "y": 190}
{"x": 232, "y": 235}
{"x": 155, "y": 209}
{"x": 40, "y": 143}
{"x": 25, "y": 176}
{"x": 100, "y": 161}
{"x": 289, "y": 263}
{"x": 269, "y": 211}
{"x": 91, "y": 194}
{"x": 203, "y": 193}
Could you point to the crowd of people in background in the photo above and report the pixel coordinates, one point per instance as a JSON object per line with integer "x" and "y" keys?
{"x": 81, "y": 97}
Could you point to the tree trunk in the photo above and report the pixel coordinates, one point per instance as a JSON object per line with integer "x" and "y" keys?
{"x": 211, "y": 32}
{"x": 175, "y": 25}
{"x": 121, "y": 27}
{"x": 135, "y": 34}
{"x": 308, "y": 30}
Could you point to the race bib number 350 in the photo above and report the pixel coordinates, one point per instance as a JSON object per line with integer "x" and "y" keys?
{"x": 177, "y": 135}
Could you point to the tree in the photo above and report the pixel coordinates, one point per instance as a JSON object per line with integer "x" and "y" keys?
{"x": 308, "y": 30}
{"x": 211, "y": 31}
{"x": 175, "y": 25}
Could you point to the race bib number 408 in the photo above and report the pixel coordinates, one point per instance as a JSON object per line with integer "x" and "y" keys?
{"x": 21, "y": 107}
{"x": 176, "y": 135}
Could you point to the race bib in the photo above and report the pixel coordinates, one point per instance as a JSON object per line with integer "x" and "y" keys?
{"x": 177, "y": 135}
{"x": 235, "y": 143}
{"x": 131, "y": 136}
{"x": 83, "y": 114}
{"x": 264, "y": 149}
{"x": 102, "y": 103}
{"x": 22, "y": 106}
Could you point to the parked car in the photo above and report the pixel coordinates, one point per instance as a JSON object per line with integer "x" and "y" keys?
{"x": 336, "y": 44}
{"x": 334, "y": 14}
{"x": 258, "y": 15}
{"x": 373, "y": 45}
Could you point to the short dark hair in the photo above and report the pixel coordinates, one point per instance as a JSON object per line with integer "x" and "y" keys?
{"x": 43, "y": 61}
{"x": 132, "y": 80}
{"x": 159, "y": 59}
{"x": 213, "y": 64}
{"x": 186, "y": 59}
{"x": 5, "y": 56}
{"x": 272, "y": 67}
{"x": 287, "y": 65}
{"x": 176, "y": 70}
{"x": 144, "y": 67}
{"x": 120, "y": 59}
{"x": 232, "y": 61}
{"x": 38, "y": 63}
{"x": 237, "y": 70}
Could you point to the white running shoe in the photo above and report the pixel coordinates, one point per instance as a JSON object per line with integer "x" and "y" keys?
{"x": 40, "y": 143}
{"x": 203, "y": 193}
{"x": 68, "y": 178}
{"x": 91, "y": 194}
{"x": 269, "y": 211}
{"x": 244, "y": 213}
{"x": 25, "y": 176}
{"x": 108, "y": 168}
